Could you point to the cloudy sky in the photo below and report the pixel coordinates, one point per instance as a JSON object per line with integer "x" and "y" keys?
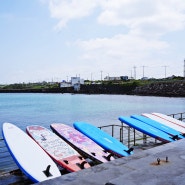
{"x": 56, "y": 39}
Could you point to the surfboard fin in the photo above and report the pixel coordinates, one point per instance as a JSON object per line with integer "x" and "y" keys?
{"x": 176, "y": 137}
{"x": 66, "y": 161}
{"x": 108, "y": 157}
{"x": 82, "y": 165}
{"x": 93, "y": 153}
{"x": 129, "y": 150}
{"x": 46, "y": 172}
{"x": 80, "y": 157}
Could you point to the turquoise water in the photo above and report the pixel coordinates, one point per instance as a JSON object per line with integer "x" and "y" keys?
{"x": 44, "y": 109}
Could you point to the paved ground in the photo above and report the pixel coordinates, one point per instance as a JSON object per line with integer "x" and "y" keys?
{"x": 142, "y": 168}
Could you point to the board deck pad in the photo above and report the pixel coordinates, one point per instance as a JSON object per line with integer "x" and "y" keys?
{"x": 61, "y": 152}
{"x": 103, "y": 139}
{"x": 81, "y": 143}
{"x": 146, "y": 129}
{"x": 160, "y": 126}
{"x": 28, "y": 155}
{"x": 165, "y": 122}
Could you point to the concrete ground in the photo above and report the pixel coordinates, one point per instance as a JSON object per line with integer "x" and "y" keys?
{"x": 162, "y": 165}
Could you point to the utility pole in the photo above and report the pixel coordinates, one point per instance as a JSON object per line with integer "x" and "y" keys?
{"x": 135, "y": 72}
{"x": 184, "y": 68}
{"x": 165, "y": 70}
{"x": 143, "y": 70}
{"x": 91, "y": 78}
{"x": 101, "y": 75}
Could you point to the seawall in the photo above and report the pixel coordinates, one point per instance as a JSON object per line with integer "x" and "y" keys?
{"x": 169, "y": 89}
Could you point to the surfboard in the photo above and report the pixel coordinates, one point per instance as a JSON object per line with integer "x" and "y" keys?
{"x": 61, "y": 152}
{"x": 146, "y": 129}
{"x": 29, "y": 157}
{"x": 103, "y": 139}
{"x": 165, "y": 122}
{"x": 174, "y": 133}
{"x": 84, "y": 145}
{"x": 170, "y": 119}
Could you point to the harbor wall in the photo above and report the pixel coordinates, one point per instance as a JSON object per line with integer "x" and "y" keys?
{"x": 170, "y": 89}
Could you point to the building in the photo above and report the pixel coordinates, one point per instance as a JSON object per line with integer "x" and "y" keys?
{"x": 125, "y": 78}
{"x": 108, "y": 78}
{"x": 65, "y": 84}
{"x": 76, "y": 80}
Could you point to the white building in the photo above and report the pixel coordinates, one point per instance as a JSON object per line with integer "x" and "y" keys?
{"x": 108, "y": 78}
{"x": 65, "y": 84}
{"x": 76, "y": 80}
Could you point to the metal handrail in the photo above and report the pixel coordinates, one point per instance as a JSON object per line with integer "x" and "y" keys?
{"x": 181, "y": 116}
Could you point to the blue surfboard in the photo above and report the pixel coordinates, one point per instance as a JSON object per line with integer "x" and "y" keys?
{"x": 174, "y": 133}
{"x": 146, "y": 129}
{"x": 103, "y": 139}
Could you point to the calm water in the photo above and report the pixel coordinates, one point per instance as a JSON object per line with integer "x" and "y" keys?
{"x": 44, "y": 109}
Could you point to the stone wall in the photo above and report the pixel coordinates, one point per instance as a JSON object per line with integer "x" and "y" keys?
{"x": 171, "y": 89}
{"x": 175, "y": 89}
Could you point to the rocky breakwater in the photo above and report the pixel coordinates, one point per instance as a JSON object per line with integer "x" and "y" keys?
{"x": 171, "y": 89}
{"x": 107, "y": 89}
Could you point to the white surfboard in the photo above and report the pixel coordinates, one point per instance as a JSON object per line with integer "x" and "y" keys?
{"x": 170, "y": 119}
{"x": 165, "y": 122}
{"x": 28, "y": 155}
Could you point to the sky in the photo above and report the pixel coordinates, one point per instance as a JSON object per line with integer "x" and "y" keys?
{"x": 54, "y": 40}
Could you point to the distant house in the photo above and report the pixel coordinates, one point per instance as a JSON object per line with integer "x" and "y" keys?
{"x": 76, "y": 80}
{"x": 65, "y": 84}
{"x": 108, "y": 78}
{"x": 125, "y": 78}
{"x": 76, "y": 87}
{"x": 144, "y": 78}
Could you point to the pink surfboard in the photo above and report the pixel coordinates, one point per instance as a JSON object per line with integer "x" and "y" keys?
{"x": 81, "y": 143}
{"x": 61, "y": 152}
